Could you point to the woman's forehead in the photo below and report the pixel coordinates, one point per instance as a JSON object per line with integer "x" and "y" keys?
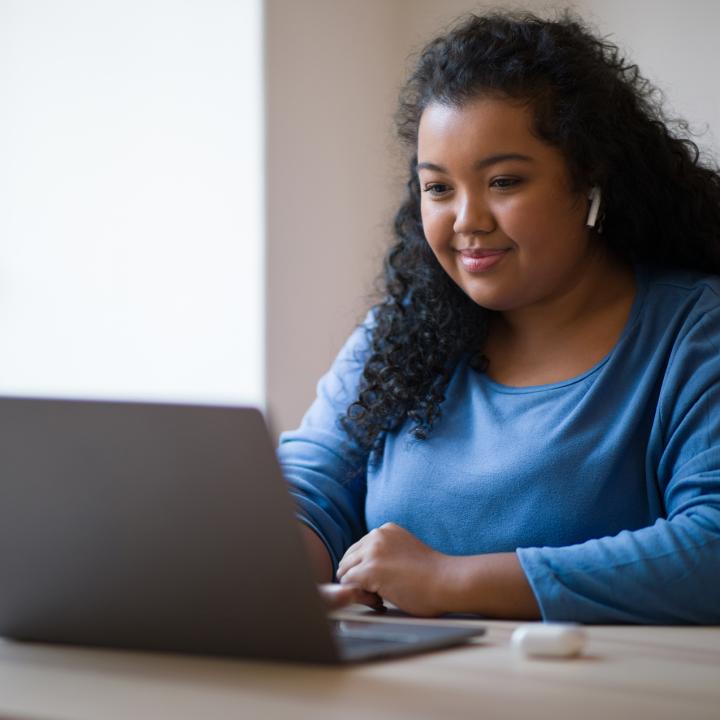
{"x": 481, "y": 127}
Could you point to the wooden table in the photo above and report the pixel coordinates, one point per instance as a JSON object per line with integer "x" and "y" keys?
{"x": 626, "y": 672}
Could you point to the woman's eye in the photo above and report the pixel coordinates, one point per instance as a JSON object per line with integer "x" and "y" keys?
{"x": 436, "y": 189}
{"x": 504, "y": 183}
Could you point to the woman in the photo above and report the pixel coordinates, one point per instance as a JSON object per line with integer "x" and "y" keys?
{"x": 528, "y": 423}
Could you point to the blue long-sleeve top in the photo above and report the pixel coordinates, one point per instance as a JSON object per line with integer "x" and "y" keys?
{"x": 607, "y": 485}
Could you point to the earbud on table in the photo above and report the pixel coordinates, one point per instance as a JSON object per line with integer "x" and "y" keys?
{"x": 549, "y": 639}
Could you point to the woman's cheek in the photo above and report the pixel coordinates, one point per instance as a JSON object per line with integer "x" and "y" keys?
{"x": 516, "y": 216}
{"x": 437, "y": 226}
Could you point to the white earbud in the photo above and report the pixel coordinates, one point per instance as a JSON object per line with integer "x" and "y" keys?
{"x": 595, "y": 196}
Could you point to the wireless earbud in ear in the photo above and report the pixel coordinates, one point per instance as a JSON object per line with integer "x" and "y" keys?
{"x": 595, "y": 196}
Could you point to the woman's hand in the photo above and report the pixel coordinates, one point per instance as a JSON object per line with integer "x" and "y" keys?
{"x": 392, "y": 563}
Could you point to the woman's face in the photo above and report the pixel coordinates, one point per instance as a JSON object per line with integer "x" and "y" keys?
{"x": 498, "y": 209}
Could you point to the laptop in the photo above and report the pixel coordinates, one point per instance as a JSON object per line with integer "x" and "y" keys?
{"x": 165, "y": 527}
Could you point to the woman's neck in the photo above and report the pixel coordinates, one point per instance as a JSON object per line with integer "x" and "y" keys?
{"x": 568, "y": 333}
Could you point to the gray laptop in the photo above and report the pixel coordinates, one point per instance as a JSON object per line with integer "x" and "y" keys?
{"x": 168, "y": 528}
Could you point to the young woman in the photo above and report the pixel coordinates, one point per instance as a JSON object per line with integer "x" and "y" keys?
{"x": 528, "y": 424}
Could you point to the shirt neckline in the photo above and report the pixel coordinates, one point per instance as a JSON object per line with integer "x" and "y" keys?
{"x": 641, "y": 283}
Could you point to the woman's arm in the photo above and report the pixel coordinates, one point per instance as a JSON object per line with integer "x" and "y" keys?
{"x": 323, "y": 474}
{"x": 666, "y": 573}
{"x": 397, "y": 566}
{"x": 493, "y": 585}
{"x": 319, "y": 555}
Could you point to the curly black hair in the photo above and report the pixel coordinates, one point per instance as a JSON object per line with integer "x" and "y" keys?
{"x": 661, "y": 198}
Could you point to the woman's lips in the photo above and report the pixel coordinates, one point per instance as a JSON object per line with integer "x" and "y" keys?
{"x": 475, "y": 260}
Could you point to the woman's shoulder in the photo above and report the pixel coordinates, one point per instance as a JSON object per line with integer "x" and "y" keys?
{"x": 679, "y": 319}
{"x": 675, "y": 312}
{"x": 358, "y": 345}
{"x": 680, "y": 282}
{"x": 671, "y": 292}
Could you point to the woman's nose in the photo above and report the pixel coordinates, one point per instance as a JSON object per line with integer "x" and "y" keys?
{"x": 473, "y": 216}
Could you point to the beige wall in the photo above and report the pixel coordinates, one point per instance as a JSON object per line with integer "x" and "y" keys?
{"x": 334, "y": 172}
{"x": 333, "y": 69}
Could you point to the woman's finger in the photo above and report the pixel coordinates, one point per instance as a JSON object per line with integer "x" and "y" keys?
{"x": 360, "y": 576}
{"x": 337, "y": 596}
{"x": 348, "y": 561}
{"x": 355, "y": 547}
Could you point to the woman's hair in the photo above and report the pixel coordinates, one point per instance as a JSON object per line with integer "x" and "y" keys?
{"x": 660, "y": 199}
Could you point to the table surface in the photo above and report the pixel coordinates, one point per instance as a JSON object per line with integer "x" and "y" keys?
{"x": 625, "y": 672}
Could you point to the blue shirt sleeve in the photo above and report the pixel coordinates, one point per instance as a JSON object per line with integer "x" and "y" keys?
{"x": 319, "y": 461}
{"x": 668, "y": 572}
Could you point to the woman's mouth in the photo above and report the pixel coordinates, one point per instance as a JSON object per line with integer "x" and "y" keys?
{"x": 475, "y": 260}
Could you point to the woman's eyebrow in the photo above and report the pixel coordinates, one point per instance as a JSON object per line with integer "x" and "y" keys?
{"x": 480, "y": 164}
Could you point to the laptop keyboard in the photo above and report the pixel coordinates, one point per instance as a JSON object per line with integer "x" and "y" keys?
{"x": 373, "y": 636}
{"x": 365, "y": 640}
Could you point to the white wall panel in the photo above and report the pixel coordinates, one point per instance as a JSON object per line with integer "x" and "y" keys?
{"x": 131, "y": 191}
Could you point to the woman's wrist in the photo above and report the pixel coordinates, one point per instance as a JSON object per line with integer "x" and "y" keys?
{"x": 493, "y": 585}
